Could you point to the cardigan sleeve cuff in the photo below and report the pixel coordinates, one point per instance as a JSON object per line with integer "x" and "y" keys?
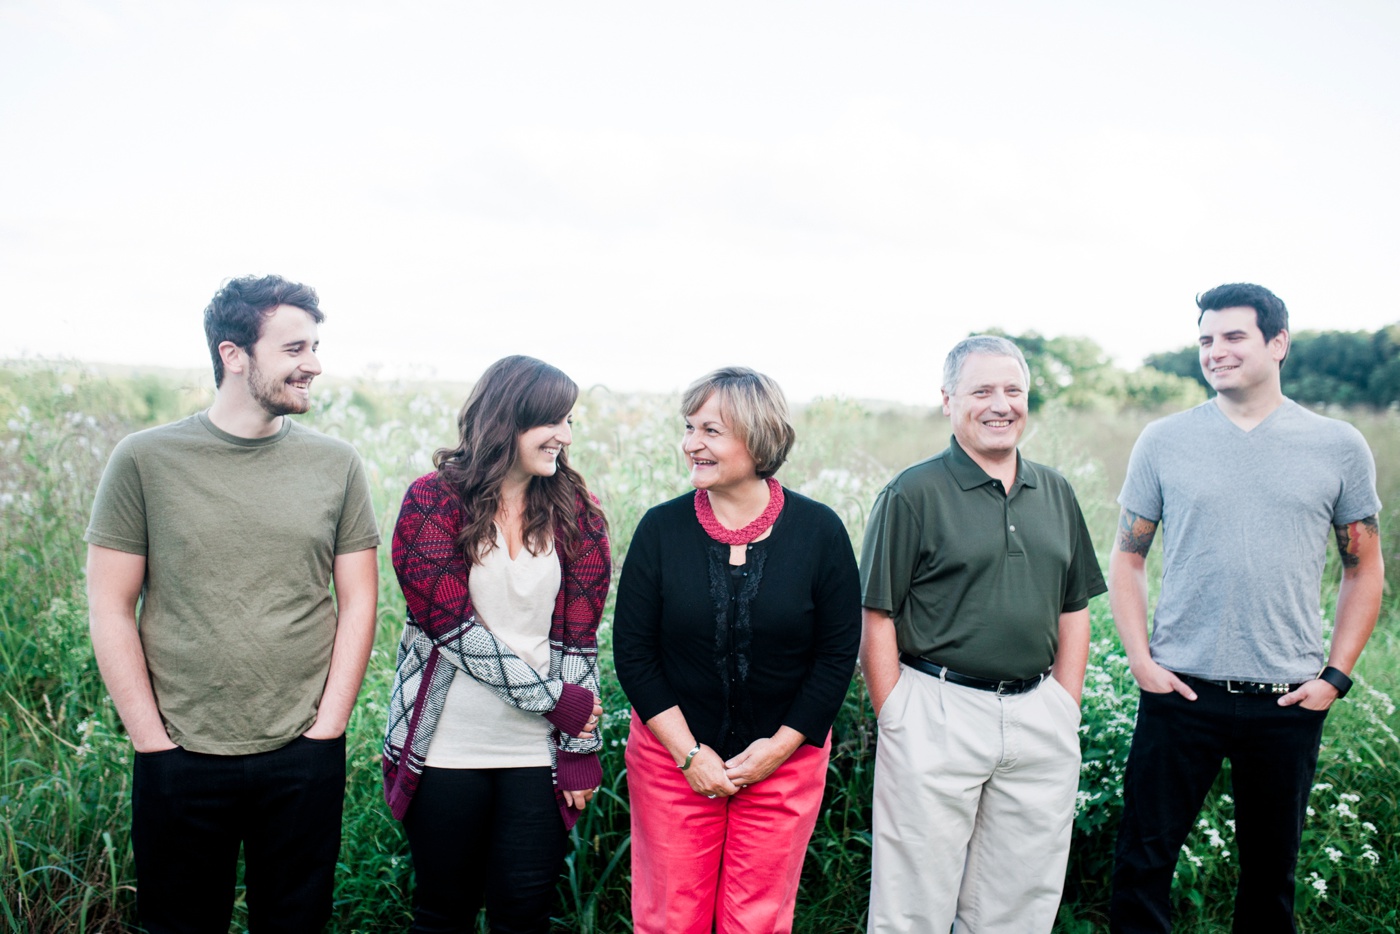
{"x": 579, "y": 771}
{"x": 571, "y": 712}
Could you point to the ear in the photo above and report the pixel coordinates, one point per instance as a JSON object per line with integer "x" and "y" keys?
{"x": 235, "y": 358}
{"x": 947, "y": 412}
{"x": 1278, "y": 347}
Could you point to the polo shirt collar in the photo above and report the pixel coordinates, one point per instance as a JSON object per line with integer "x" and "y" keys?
{"x": 969, "y": 475}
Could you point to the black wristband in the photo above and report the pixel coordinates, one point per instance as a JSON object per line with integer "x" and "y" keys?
{"x": 1337, "y": 678}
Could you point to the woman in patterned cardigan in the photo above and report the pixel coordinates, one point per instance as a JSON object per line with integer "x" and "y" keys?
{"x": 491, "y": 749}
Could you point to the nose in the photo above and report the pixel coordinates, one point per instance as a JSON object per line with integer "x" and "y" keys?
{"x": 312, "y": 363}
{"x": 565, "y": 434}
{"x": 690, "y": 442}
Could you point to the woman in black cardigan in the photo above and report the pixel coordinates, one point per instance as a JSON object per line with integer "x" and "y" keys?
{"x": 737, "y": 626}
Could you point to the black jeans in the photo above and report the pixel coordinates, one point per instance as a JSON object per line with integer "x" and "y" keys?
{"x": 485, "y": 834}
{"x": 1177, "y": 751}
{"x": 190, "y": 812}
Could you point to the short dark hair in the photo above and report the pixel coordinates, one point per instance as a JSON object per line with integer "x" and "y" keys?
{"x": 238, "y": 311}
{"x": 1270, "y": 313}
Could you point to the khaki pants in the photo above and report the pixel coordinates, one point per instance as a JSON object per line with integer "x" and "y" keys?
{"x": 974, "y": 801}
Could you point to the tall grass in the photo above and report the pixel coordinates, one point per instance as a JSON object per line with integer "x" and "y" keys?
{"x": 65, "y": 860}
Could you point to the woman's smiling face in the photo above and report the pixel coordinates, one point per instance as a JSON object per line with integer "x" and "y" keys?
{"x": 719, "y": 459}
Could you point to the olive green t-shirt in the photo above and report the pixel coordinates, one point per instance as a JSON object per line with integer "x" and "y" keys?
{"x": 976, "y": 577}
{"x": 236, "y": 616}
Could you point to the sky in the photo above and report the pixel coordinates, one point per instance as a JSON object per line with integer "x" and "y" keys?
{"x": 831, "y": 192}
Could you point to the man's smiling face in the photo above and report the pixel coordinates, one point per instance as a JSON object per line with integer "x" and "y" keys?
{"x": 988, "y": 406}
{"x": 283, "y": 362}
{"x": 1235, "y": 358}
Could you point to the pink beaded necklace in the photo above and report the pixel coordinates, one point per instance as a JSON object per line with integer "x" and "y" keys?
{"x": 706, "y": 514}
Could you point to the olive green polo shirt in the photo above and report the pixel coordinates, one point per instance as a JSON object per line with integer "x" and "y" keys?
{"x": 976, "y": 576}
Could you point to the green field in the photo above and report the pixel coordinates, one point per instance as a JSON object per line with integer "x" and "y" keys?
{"x": 65, "y": 863}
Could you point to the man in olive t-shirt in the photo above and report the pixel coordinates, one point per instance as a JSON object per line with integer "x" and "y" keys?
{"x": 976, "y": 575}
{"x": 236, "y": 685}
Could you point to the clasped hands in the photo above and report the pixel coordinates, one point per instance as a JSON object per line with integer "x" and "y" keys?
{"x": 714, "y": 777}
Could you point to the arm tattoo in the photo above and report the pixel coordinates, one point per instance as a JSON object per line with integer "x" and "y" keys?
{"x": 1135, "y": 533}
{"x": 1349, "y": 539}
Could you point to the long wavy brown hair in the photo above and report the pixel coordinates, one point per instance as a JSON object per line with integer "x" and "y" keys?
{"x": 514, "y": 395}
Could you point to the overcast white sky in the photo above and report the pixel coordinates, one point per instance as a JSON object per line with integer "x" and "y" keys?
{"x": 833, "y": 192}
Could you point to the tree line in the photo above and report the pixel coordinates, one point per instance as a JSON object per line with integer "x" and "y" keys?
{"x": 1323, "y": 367}
{"x": 1347, "y": 368}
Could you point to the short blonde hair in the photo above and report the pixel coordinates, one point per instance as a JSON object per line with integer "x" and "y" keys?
{"x": 754, "y": 406}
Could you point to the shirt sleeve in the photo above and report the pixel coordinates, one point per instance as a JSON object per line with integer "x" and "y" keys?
{"x": 835, "y": 638}
{"x": 584, "y": 587}
{"x": 119, "y": 509}
{"x": 1086, "y": 577}
{"x": 637, "y": 625}
{"x": 1142, "y": 487}
{"x": 357, "y": 529}
{"x": 890, "y": 553}
{"x": 1358, "y": 498}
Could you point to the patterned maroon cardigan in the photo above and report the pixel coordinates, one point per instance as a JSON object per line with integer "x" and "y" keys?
{"x": 442, "y": 634}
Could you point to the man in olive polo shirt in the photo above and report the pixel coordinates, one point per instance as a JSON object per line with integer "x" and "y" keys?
{"x": 976, "y": 576}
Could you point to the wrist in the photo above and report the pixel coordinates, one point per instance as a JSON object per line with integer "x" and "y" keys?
{"x": 578, "y": 771}
{"x": 1339, "y": 680}
{"x": 688, "y": 758}
{"x": 572, "y": 710}
{"x": 1141, "y": 663}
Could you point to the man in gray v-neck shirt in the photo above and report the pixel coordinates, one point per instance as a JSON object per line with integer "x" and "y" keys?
{"x": 1245, "y": 487}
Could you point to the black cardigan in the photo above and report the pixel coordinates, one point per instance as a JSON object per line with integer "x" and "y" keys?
{"x": 782, "y": 653}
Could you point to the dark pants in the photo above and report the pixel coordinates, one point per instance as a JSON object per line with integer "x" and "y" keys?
{"x": 190, "y": 812}
{"x": 485, "y": 834}
{"x": 1176, "y": 754}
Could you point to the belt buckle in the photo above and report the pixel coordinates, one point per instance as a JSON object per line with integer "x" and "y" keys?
{"x": 1245, "y": 686}
{"x": 1001, "y": 689}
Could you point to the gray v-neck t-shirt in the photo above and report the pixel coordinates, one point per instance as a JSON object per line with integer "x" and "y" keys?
{"x": 1245, "y": 520}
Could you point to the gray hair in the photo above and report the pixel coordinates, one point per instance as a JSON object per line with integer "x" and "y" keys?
{"x": 983, "y": 344}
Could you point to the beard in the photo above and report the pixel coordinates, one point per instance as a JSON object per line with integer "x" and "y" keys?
{"x": 272, "y": 394}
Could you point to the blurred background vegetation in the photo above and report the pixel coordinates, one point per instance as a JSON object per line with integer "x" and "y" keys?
{"x": 65, "y": 860}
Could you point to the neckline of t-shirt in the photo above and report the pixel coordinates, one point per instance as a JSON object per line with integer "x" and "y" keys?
{"x": 1258, "y": 429}
{"x": 222, "y": 435}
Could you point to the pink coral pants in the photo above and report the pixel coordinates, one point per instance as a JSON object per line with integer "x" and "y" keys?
{"x": 730, "y": 865}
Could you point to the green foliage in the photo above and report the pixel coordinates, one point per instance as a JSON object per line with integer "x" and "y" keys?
{"x": 65, "y": 860}
{"x": 1345, "y": 368}
{"x": 1185, "y": 363}
{"x": 1074, "y": 372}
